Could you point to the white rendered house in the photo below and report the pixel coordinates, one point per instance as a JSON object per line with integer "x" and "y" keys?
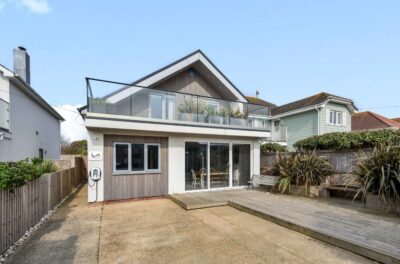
{"x": 183, "y": 128}
{"x": 29, "y": 126}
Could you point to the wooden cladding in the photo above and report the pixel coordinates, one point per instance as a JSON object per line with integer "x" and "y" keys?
{"x": 127, "y": 186}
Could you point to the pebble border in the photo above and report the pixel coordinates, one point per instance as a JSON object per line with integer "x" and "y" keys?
{"x": 31, "y": 230}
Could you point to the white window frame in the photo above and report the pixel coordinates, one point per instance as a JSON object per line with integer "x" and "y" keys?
{"x": 338, "y": 119}
{"x": 130, "y": 171}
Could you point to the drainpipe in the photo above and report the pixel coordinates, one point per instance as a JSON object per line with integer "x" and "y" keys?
{"x": 318, "y": 109}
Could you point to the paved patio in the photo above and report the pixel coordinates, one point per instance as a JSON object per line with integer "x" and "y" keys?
{"x": 159, "y": 231}
{"x": 342, "y": 223}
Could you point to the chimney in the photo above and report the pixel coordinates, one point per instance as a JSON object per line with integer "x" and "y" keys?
{"x": 257, "y": 93}
{"x": 22, "y": 64}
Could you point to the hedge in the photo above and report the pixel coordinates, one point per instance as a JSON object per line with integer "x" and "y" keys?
{"x": 272, "y": 147}
{"x": 348, "y": 140}
{"x": 16, "y": 174}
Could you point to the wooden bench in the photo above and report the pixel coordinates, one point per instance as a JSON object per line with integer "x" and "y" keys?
{"x": 257, "y": 180}
{"x": 341, "y": 182}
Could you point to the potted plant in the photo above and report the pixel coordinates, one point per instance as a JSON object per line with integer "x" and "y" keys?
{"x": 237, "y": 117}
{"x": 186, "y": 110}
{"x": 379, "y": 174}
{"x": 224, "y": 114}
{"x": 301, "y": 173}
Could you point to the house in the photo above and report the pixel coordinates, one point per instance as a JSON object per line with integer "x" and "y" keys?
{"x": 183, "y": 128}
{"x": 397, "y": 119}
{"x": 315, "y": 115}
{"x": 29, "y": 126}
{"x": 371, "y": 121}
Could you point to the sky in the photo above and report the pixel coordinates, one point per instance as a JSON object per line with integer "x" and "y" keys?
{"x": 287, "y": 50}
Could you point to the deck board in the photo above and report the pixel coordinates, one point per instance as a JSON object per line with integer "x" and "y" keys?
{"x": 347, "y": 225}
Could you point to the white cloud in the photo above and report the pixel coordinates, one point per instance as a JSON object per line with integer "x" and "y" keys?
{"x": 73, "y": 127}
{"x": 36, "y": 6}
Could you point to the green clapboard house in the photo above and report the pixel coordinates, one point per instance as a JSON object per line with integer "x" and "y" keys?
{"x": 315, "y": 115}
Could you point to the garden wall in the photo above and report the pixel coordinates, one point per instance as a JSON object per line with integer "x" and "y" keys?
{"x": 23, "y": 207}
{"x": 342, "y": 161}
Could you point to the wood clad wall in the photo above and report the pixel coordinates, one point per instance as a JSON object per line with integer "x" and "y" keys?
{"x": 128, "y": 186}
{"x": 21, "y": 208}
{"x": 185, "y": 83}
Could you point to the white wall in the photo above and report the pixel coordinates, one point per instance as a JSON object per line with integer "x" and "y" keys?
{"x": 96, "y": 143}
{"x": 27, "y": 118}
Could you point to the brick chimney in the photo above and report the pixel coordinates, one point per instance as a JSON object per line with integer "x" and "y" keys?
{"x": 22, "y": 64}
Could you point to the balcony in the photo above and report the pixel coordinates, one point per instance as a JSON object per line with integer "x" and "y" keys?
{"x": 174, "y": 107}
{"x": 278, "y": 135}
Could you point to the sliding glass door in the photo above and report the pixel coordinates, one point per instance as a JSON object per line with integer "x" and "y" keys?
{"x": 196, "y": 166}
{"x": 241, "y": 164}
{"x": 207, "y": 165}
{"x": 219, "y": 165}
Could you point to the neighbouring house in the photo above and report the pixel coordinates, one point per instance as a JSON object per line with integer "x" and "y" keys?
{"x": 397, "y": 119}
{"x": 315, "y": 115}
{"x": 371, "y": 121}
{"x": 29, "y": 126}
{"x": 183, "y": 128}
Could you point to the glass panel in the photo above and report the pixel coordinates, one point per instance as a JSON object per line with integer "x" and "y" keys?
{"x": 241, "y": 164}
{"x": 186, "y": 107}
{"x": 152, "y": 157}
{"x": 156, "y": 106}
{"x": 170, "y": 107}
{"x": 121, "y": 157}
{"x": 196, "y": 166}
{"x": 219, "y": 165}
{"x": 137, "y": 157}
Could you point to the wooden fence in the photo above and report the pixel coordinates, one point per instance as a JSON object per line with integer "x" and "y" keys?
{"x": 23, "y": 207}
{"x": 341, "y": 161}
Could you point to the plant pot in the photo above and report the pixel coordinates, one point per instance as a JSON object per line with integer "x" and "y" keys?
{"x": 215, "y": 120}
{"x": 372, "y": 201}
{"x": 237, "y": 121}
{"x": 186, "y": 117}
{"x": 201, "y": 118}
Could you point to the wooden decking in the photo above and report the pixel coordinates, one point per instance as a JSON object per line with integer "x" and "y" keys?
{"x": 346, "y": 225}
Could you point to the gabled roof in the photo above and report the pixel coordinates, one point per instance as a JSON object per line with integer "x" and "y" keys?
{"x": 370, "y": 120}
{"x": 258, "y": 101}
{"x": 25, "y": 87}
{"x": 194, "y": 59}
{"x": 397, "y": 119}
{"x": 307, "y": 102}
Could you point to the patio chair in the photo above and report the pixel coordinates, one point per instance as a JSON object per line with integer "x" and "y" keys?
{"x": 194, "y": 179}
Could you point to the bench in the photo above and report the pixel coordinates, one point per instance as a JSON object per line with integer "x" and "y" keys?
{"x": 257, "y": 180}
{"x": 341, "y": 182}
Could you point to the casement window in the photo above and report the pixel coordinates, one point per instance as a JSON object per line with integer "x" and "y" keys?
{"x": 136, "y": 158}
{"x": 336, "y": 117}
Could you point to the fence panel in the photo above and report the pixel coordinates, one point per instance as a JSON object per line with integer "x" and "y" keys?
{"x": 341, "y": 161}
{"x": 23, "y": 207}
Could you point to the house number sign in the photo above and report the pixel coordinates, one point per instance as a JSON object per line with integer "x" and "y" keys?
{"x": 95, "y": 155}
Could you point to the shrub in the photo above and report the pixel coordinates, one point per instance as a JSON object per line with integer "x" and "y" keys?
{"x": 74, "y": 148}
{"x": 301, "y": 169}
{"x": 272, "y": 147}
{"x": 16, "y": 174}
{"x": 379, "y": 172}
{"x": 347, "y": 140}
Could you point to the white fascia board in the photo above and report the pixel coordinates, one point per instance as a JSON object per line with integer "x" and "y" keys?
{"x": 141, "y": 125}
{"x": 6, "y": 72}
{"x": 349, "y": 104}
{"x": 301, "y": 110}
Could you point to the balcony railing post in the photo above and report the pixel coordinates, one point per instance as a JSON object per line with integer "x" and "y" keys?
{"x": 197, "y": 109}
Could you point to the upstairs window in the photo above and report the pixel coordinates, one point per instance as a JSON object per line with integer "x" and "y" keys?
{"x": 335, "y": 117}
{"x": 136, "y": 158}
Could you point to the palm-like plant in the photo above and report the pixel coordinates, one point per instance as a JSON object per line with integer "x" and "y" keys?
{"x": 379, "y": 172}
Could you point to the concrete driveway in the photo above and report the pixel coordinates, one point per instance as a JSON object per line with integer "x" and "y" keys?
{"x": 159, "y": 231}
